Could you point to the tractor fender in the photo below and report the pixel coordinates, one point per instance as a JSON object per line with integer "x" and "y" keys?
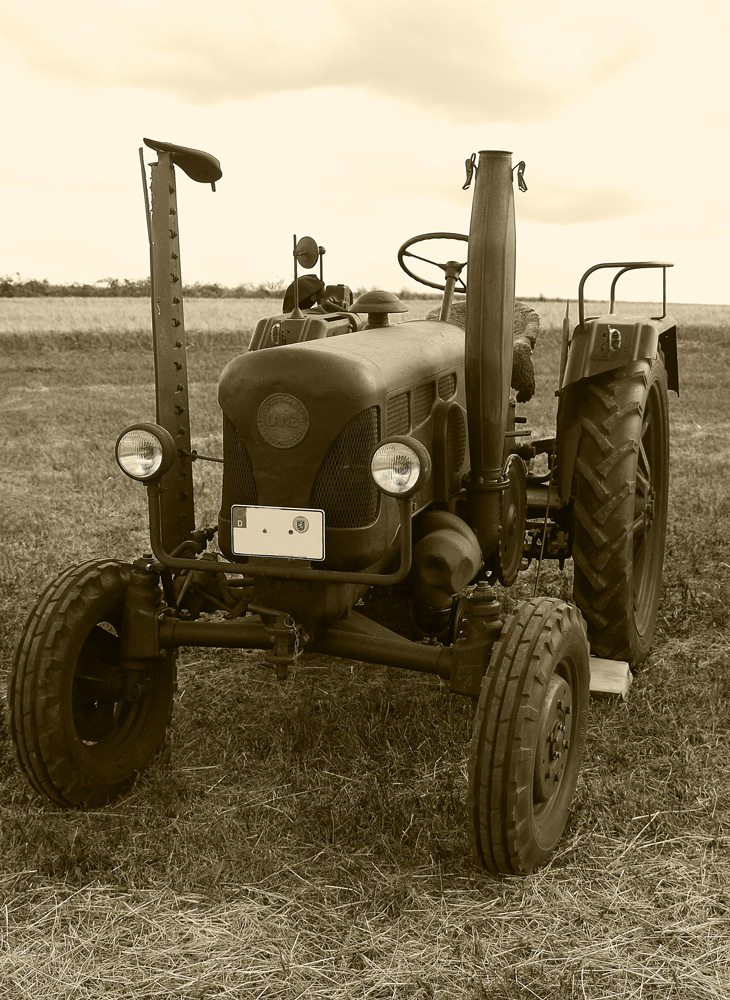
{"x": 605, "y": 343}
{"x": 600, "y": 345}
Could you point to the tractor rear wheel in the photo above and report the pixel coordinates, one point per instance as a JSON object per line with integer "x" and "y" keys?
{"x": 620, "y": 508}
{"x": 79, "y": 742}
{"x": 529, "y": 733}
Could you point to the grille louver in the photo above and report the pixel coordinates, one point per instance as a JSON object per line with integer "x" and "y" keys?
{"x": 397, "y": 420}
{"x": 456, "y": 446}
{"x": 423, "y": 398}
{"x": 344, "y": 488}
{"x": 239, "y": 484}
{"x": 447, "y": 386}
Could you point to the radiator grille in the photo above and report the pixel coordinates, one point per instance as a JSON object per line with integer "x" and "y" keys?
{"x": 447, "y": 386}
{"x": 344, "y": 488}
{"x": 423, "y": 398}
{"x": 397, "y": 420}
{"x": 239, "y": 485}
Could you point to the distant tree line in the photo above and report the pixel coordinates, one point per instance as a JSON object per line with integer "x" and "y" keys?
{"x": 15, "y": 287}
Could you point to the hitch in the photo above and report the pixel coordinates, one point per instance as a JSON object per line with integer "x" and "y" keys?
{"x": 286, "y": 636}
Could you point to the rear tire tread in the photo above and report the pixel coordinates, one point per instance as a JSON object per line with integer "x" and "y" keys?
{"x": 605, "y": 485}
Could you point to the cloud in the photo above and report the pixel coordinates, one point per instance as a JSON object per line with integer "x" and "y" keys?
{"x": 468, "y": 63}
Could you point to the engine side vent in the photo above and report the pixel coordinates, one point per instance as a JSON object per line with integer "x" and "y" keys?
{"x": 397, "y": 420}
{"x": 456, "y": 439}
{"x": 423, "y": 398}
{"x": 239, "y": 485}
{"x": 447, "y": 386}
{"x": 344, "y": 488}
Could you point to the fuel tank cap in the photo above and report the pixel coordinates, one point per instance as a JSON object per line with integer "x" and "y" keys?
{"x": 378, "y": 303}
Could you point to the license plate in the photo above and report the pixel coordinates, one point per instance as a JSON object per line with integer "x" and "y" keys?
{"x": 278, "y": 532}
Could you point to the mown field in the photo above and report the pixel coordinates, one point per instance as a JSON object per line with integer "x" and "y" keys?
{"x": 307, "y": 839}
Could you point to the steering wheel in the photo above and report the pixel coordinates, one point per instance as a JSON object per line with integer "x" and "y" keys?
{"x": 451, "y": 269}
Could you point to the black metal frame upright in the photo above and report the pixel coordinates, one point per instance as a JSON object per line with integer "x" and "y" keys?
{"x": 169, "y": 348}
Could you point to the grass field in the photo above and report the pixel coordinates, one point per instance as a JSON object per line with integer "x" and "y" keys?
{"x": 308, "y": 839}
{"x": 131, "y": 317}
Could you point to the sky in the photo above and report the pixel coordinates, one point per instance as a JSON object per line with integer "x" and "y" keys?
{"x": 351, "y": 121}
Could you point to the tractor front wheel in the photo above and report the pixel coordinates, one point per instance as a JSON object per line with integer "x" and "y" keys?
{"x": 529, "y": 733}
{"x": 620, "y": 508}
{"x": 78, "y": 738}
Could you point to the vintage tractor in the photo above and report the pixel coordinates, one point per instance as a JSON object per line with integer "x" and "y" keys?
{"x": 377, "y": 486}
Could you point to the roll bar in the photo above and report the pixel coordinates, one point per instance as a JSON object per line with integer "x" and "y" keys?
{"x": 625, "y": 266}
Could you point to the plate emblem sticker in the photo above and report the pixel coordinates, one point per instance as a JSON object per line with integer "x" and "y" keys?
{"x": 301, "y": 524}
{"x": 283, "y": 420}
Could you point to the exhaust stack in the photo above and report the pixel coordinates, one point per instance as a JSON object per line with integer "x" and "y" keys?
{"x": 490, "y": 301}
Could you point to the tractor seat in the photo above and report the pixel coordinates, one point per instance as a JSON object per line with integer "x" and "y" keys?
{"x": 198, "y": 165}
{"x": 525, "y": 330}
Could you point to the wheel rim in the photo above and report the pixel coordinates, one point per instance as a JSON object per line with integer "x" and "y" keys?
{"x": 554, "y": 747}
{"x": 104, "y": 721}
{"x": 649, "y": 510}
{"x": 512, "y": 531}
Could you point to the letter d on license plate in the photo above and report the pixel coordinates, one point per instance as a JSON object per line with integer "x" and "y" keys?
{"x": 277, "y": 532}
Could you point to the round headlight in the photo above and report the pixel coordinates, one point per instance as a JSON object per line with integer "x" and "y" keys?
{"x": 145, "y": 452}
{"x": 400, "y": 466}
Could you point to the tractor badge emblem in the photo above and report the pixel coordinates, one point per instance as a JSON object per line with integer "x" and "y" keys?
{"x": 283, "y": 420}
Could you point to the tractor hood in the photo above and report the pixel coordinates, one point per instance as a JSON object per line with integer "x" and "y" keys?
{"x": 301, "y": 421}
{"x": 385, "y": 357}
{"x": 290, "y": 404}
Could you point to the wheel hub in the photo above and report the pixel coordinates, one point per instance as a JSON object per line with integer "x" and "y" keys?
{"x": 643, "y": 517}
{"x": 553, "y": 740}
{"x": 649, "y": 511}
